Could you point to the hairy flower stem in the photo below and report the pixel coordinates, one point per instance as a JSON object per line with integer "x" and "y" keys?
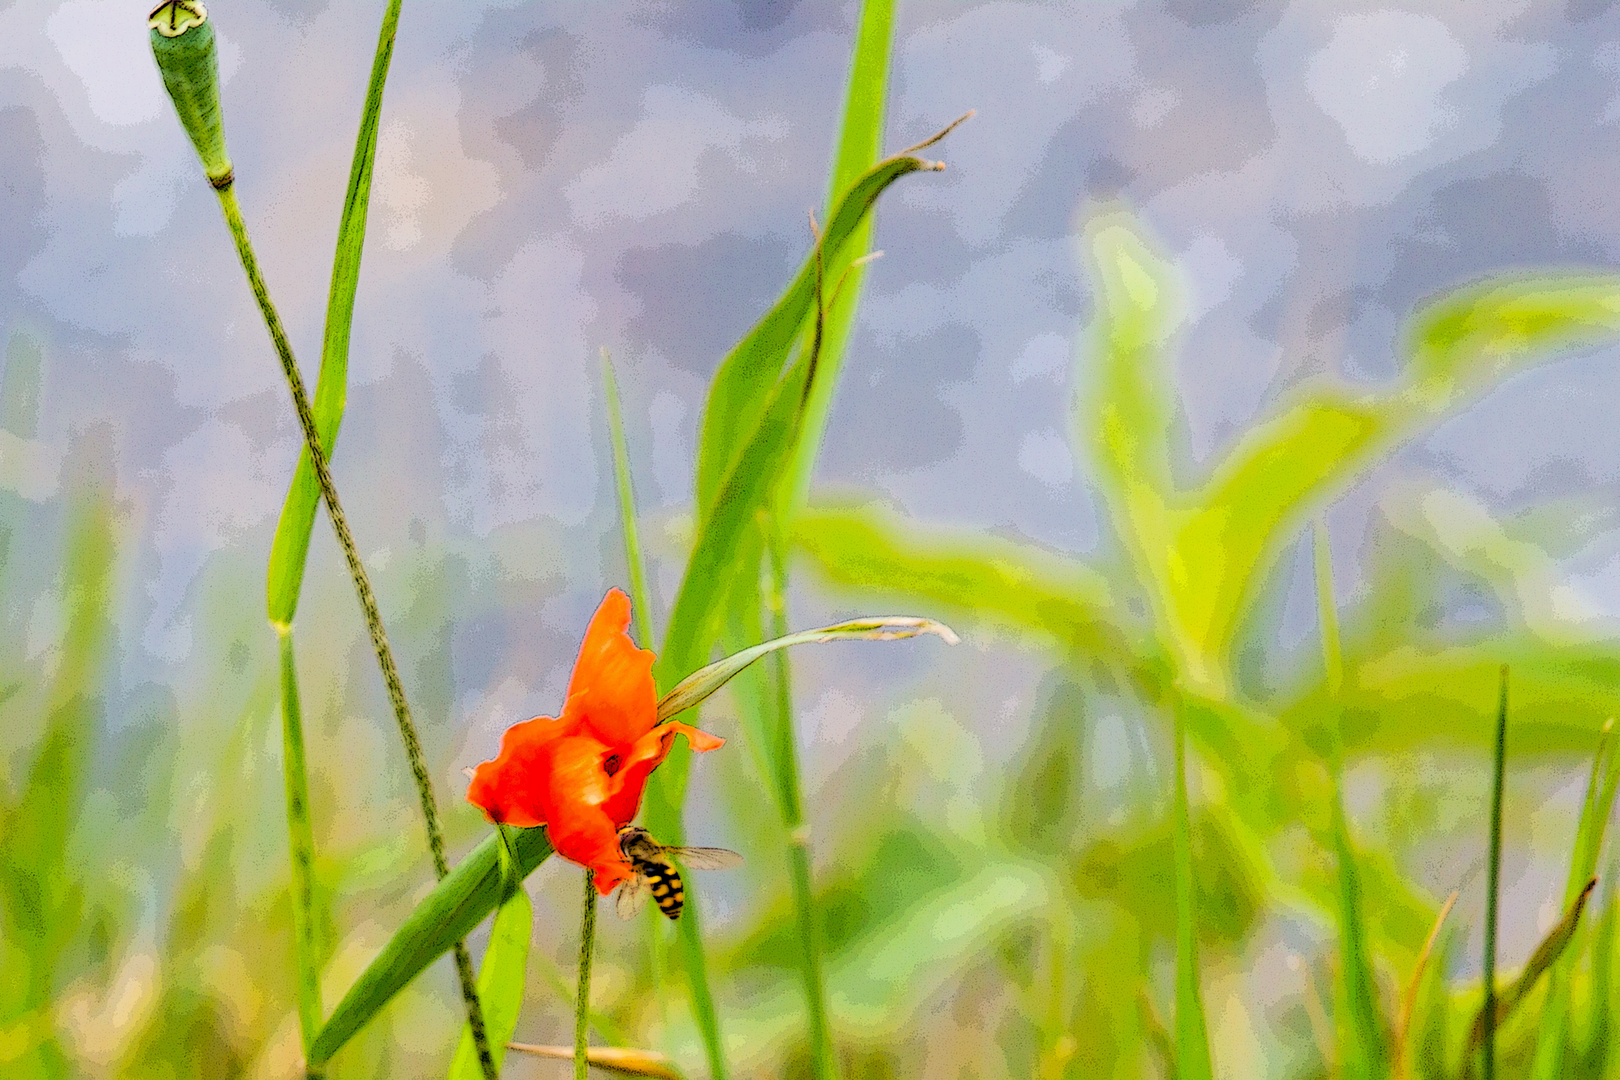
{"x": 301, "y": 842}
{"x": 582, "y": 1005}
{"x": 823, "y": 1057}
{"x": 368, "y": 600}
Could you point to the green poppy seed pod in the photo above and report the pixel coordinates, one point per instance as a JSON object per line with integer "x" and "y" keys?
{"x": 183, "y": 45}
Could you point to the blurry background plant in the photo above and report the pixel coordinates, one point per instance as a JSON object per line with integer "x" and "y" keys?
{"x": 992, "y": 832}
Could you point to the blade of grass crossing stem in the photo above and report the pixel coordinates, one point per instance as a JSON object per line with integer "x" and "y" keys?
{"x": 1493, "y": 883}
{"x": 362, "y": 587}
{"x": 1500, "y": 1007}
{"x": 1192, "y": 1040}
{"x": 500, "y": 985}
{"x": 859, "y": 142}
{"x": 457, "y": 904}
{"x": 301, "y": 843}
{"x": 1363, "y": 1054}
{"x": 635, "y": 565}
{"x": 740, "y": 391}
{"x": 291, "y": 545}
{"x": 1552, "y": 1033}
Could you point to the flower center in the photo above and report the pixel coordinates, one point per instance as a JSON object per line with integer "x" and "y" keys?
{"x": 611, "y": 765}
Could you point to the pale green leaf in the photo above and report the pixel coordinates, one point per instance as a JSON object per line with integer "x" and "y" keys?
{"x": 500, "y": 986}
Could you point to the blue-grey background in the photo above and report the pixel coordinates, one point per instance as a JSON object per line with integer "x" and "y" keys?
{"x": 553, "y": 178}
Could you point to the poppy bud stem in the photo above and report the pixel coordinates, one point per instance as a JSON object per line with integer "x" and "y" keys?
{"x": 582, "y": 1005}
{"x": 368, "y": 600}
{"x": 183, "y": 46}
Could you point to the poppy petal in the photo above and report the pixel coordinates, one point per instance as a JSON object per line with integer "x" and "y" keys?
{"x": 511, "y": 788}
{"x": 644, "y": 756}
{"x": 612, "y": 690}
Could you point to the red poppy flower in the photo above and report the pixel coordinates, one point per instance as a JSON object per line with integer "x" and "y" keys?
{"x": 581, "y": 774}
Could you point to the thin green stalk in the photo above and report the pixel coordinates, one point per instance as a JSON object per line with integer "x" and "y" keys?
{"x": 1192, "y": 1041}
{"x": 689, "y": 933}
{"x": 301, "y": 841}
{"x": 1494, "y": 881}
{"x": 641, "y": 608}
{"x": 635, "y": 565}
{"x": 822, "y": 1051}
{"x": 582, "y": 1003}
{"x": 368, "y": 599}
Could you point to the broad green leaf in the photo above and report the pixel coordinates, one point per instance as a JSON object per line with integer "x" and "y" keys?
{"x": 1523, "y": 576}
{"x": 696, "y": 687}
{"x": 1431, "y": 695}
{"x": 1476, "y": 335}
{"x": 290, "y": 548}
{"x": 873, "y": 550}
{"x": 742, "y": 385}
{"x": 500, "y": 985}
{"x": 859, "y": 143}
{"x": 1236, "y": 524}
{"x": 1130, "y": 409}
{"x": 457, "y": 903}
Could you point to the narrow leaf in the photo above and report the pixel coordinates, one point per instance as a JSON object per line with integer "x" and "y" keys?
{"x": 291, "y": 545}
{"x": 700, "y": 684}
{"x": 1490, "y": 1015}
{"x": 612, "y": 1058}
{"x": 301, "y": 845}
{"x": 739, "y": 393}
{"x": 635, "y": 565}
{"x": 456, "y": 905}
{"x": 500, "y": 985}
{"x": 986, "y": 577}
{"x": 1547, "y": 953}
{"x": 1192, "y": 1039}
{"x": 1403, "y": 1028}
{"x": 859, "y": 141}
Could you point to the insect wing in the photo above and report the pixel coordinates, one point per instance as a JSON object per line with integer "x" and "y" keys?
{"x": 632, "y": 894}
{"x": 705, "y": 858}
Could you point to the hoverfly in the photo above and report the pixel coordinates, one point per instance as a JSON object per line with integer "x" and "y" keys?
{"x": 655, "y": 874}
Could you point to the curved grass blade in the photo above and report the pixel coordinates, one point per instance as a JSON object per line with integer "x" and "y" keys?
{"x": 738, "y": 396}
{"x": 290, "y": 548}
{"x": 635, "y": 565}
{"x": 1498, "y": 1008}
{"x": 500, "y": 985}
{"x": 859, "y": 143}
{"x": 456, "y": 905}
{"x": 1403, "y": 1029}
{"x": 696, "y": 687}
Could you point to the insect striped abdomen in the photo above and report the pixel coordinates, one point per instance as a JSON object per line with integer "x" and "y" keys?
{"x": 666, "y": 885}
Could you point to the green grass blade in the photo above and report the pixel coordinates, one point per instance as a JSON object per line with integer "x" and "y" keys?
{"x": 635, "y": 565}
{"x": 41, "y": 890}
{"x": 1498, "y": 1007}
{"x": 1363, "y": 1052}
{"x": 740, "y": 393}
{"x": 291, "y": 545}
{"x": 301, "y": 844}
{"x": 689, "y": 939}
{"x": 456, "y": 905}
{"x": 859, "y": 142}
{"x": 1020, "y": 585}
{"x": 1493, "y": 884}
{"x": 500, "y": 985}
{"x": 1599, "y": 1026}
{"x": 696, "y": 687}
{"x": 1553, "y": 1034}
{"x": 1192, "y": 1039}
